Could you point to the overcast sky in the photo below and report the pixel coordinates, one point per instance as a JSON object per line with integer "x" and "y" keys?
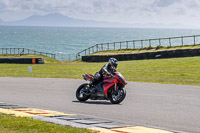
{"x": 183, "y": 12}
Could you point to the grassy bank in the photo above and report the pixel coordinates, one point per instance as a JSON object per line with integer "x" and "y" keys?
{"x": 10, "y": 124}
{"x": 146, "y": 49}
{"x": 172, "y": 71}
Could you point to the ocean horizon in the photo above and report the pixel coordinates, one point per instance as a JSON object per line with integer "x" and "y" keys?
{"x": 65, "y": 41}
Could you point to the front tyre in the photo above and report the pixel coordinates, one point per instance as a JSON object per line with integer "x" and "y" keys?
{"x": 82, "y": 93}
{"x": 116, "y": 99}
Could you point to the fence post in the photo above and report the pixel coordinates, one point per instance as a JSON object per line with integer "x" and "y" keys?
{"x": 97, "y": 46}
{"x": 134, "y": 44}
{"x": 120, "y": 45}
{"x": 102, "y": 47}
{"x": 194, "y": 40}
{"x": 149, "y": 42}
{"x": 141, "y": 43}
{"x": 170, "y": 42}
{"x": 182, "y": 40}
{"x": 127, "y": 44}
{"x": 114, "y": 45}
{"x": 159, "y": 42}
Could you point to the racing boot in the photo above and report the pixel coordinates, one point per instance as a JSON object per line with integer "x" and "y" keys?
{"x": 93, "y": 86}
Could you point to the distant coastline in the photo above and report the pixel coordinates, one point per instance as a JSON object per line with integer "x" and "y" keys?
{"x": 59, "y": 20}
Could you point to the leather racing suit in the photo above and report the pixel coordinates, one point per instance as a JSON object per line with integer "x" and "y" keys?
{"x": 105, "y": 70}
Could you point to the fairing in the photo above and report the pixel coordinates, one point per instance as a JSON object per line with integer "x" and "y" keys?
{"x": 106, "y": 87}
{"x": 108, "y": 82}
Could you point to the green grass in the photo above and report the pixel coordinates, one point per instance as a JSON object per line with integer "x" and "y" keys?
{"x": 10, "y": 124}
{"x": 171, "y": 71}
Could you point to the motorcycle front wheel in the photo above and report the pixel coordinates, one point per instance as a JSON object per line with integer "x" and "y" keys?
{"x": 119, "y": 97}
{"x": 82, "y": 93}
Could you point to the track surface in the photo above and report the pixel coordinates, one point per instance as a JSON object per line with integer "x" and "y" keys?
{"x": 171, "y": 107}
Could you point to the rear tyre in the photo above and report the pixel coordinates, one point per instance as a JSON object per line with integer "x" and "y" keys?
{"x": 119, "y": 97}
{"x": 82, "y": 93}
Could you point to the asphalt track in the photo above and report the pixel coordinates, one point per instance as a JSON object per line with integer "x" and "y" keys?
{"x": 170, "y": 107}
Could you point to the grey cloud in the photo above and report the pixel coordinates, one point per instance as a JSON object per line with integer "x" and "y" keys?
{"x": 194, "y": 4}
{"x": 165, "y": 3}
{"x": 180, "y": 12}
{"x": 109, "y": 10}
{"x": 3, "y": 4}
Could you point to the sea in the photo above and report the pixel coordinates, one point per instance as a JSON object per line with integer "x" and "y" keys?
{"x": 66, "y": 42}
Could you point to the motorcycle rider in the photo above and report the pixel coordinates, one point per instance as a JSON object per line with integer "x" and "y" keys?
{"x": 107, "y": 69}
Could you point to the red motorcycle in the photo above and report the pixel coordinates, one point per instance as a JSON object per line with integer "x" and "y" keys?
{"x": 111, "y": 88}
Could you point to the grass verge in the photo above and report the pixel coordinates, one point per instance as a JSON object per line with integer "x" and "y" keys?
{"x": 145, "y": 49}
{"x": 10, "y": 124}
{"x": 171, "y": 71}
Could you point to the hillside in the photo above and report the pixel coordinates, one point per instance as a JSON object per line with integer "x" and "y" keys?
{"x": 56, "y": 19}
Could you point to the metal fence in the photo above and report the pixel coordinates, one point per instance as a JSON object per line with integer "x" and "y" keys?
{"x": 23, "y": 51}
{"x": 170, "y": 41}
{"x": 133, "y": 44}
{"x": 65, "y": 56}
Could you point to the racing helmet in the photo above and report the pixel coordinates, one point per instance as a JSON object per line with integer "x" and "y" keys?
{"x": 113, "y": 62}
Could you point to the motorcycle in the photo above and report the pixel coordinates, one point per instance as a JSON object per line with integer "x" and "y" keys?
{"x": 111, "y": 88}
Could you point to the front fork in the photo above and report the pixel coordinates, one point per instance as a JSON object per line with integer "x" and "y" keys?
{"x": 116, "y": 87}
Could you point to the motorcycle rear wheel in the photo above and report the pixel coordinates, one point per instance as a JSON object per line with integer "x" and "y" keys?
{"x": 116, "y": 99}
{"x": 81, "y": 93}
